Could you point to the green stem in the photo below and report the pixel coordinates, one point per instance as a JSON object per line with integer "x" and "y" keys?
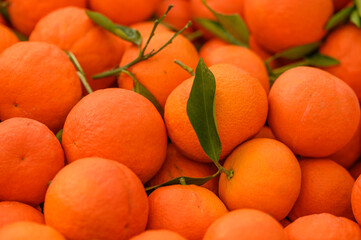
{"x": 79, "y": 72}
{"x": 182, "y": 181}
{"x": 194, "y": 35}
{"x": 84, "y": 82}
{"x": 185, "y": 67}
{"x": 229, "y": 173}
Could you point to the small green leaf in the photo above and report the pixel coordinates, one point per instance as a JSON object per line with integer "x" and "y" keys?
{"x": 217, "y": 30}
{"x": 182, "y": 179}
{"x": 319, "y": 60}
{"x": 201, "y": 111}
{"x": 358, "y": 6}
{"x": 59, "y": 135}
{"x": 233, "y": 24}
{"x": 296, "y": 52}
{"x": 355, "y": 18}
{"x": 339, "y": 18}
{"x": 126, "y": 33}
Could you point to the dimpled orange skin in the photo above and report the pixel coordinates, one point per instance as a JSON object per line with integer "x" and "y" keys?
{"x": 96, "y": 198}
{"x": 278, "y": 25}
{"x": 265, "y": 132}
{"x": 344, "y": 44}
{"x": 312, "y": 112}
{"x": 24, "y": 14}
{"x": 125, "y": 12}
{"x": 7, "y": 39}
{"x": 326, "y": 188}
{"x": 355, "y": 170}
{"x": 29, "y": 231}
{"x": 177, "y": 165}
{"x": 266, "y": 177}
{"x": 356, "y": 200}
{"x": 240, "y": 106}
{"x": 96, "y": 49}
{"x": 188, "y": 210}
{"x": 210, "y": 46}
{"x": 247, "y": 224}
{"x": 180, "y": 14}
{"x": 243, "y": 58}
{"x": 159, "y": 74}
{"x": 117, "y": 124}
{"x": 11, "y": 211}
{"x": 350, "y": 153}
{"x": 30, "y": 156}
{"x": 158, "y": 234}
{"x": 38, "y": 81}
{"x": 323, "y": 226}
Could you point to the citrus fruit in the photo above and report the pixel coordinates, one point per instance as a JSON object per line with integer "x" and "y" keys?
{"x": 7, "y": 39}
{"x": 158, "y": 234}
{"x": 265, "y": 132}
{"x": 11, "y": 211}
{"x": 178, "y": 16}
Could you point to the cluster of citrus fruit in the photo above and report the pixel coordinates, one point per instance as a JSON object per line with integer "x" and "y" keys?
{"x": 180, "y": 119}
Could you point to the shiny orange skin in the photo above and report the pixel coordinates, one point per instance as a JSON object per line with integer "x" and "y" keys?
{"x": 344, "y": 44}
{"x": 247, "y": 224}
{"x": 266, "y": 177}
{"x": 240, "y": 107}
{"x": 29, "y": 231}
{"x": 96, "y": 49}
{"x": 305, "y": 114}
{"x": 356, "y": 199}
{"x": 46, "y": 79}
{"x": 125, "y": 12}
{"x": 210, "y": 45}
{"x": 339, "y": 4}
{"x": 355, "y": 170}
{"x": 323, "y": 226}
{"x": 350, "y": 153}
{"x": 117, "y": 124}
{"x": 180, "y": 14}
{"x": 243, "y": 58}
{"x": 30, "y": 156}
{"x": 159, "y": 74}
{"x": 24, "y": 14}
{"x": 278, "y": 25}
{"x": 7, "y": 39}
{"x": 158, "y": 234}
{"x": 326, "y": 188}
{"x": 96, "y": 198}
{"x": 11, "y": 211}
{"x": 265, "y": 132}
{"x": 188, "y": 210}
{"x": 177, "y": 165}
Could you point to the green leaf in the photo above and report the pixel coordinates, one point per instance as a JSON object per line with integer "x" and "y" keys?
{"x": 201, "y": 111}
{"x": 355, "y": 18}
{"x": 126, "y": 33}
{"x": 296, "y": 52}
{"x": 233, "y": 24}
{"x": 20, "y": 36}
{"x": 59, "y": 135}
{"x": 358, "y": 6}
{"x": 319, "y": 60}
{"x": 339, "y": 18}
{"x": 186, "y": 180}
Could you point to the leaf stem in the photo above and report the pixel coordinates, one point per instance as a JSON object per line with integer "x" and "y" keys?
{"x": 229, "y": 173}
{"x": 80, "y": 72}
{"x": 185, "y": 67}
{"x": 182, "y": 181}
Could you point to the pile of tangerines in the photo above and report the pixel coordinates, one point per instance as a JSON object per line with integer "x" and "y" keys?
{"x": 180, "y": 119}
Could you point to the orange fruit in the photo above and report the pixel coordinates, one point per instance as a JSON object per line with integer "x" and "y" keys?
{"x": 355, "y": 170}
{"x": 177, "y": 165}
{"x": 198, "y": 10}
{"x": 180, "y": 14}
{"x": 125, "y": 12}
{"x": 325, "y": 188}
{"x": 2, "y": 20}
{"x": 312, "y": 112}
{"x": 344, "y": 45}
{"x": 15, "y": 211}
{"x": 247, "y": 224}
{"x": 323, "y": 226}
{"x": 278, "y": 25}
{"x": 266, "y": 176}
{"x": 350, "y": 153}
{"x": 96, "y": 49}
{"x": 240, "y": 107}
{"x": 29, "y": 231}
{"x": 38, "y": 81}
{"x": 262, "y": 53}
{"x": 243, "y": 58}
{"x": 117, "y": 124}
{"x": 159, "y": 74}
{"x": 158, "y": 234}
{"x": 285, "y": 222}
{"x": 188, "y": 210}
{"x": 265, "y": 132}
{"x": 7, "y": 39}
{"x": 356, "y": 199}
{"x": 210, "y": 46}
{"x": 95, "y": 198}
{"x": 339, "y": 4}
{"x": 24, "y": 14}
{"x": 30, "y": 156}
